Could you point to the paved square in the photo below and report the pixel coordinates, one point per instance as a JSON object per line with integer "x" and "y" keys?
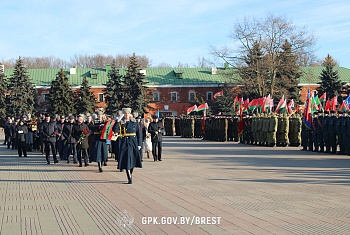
{"x": 201, "y": 187}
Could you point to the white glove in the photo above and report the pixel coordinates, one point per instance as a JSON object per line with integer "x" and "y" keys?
{"x": 20, "y": 132}
{"x": 139, "y": 147}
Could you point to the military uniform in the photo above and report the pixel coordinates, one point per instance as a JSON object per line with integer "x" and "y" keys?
{"x": 333, "y": 132}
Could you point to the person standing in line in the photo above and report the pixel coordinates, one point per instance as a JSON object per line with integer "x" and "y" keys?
{"x": 60, "y": 138}
{"x": 7, "y": 130}
{"x": 156, "y": 130}
{"x": 130, "y": 143}
{"x": 70, "y": 141}
{"x": 21, "y": 132}
{"x": 147, "y": 136}
{"x": 14, "y": 134}
{"x": 80, "y": 133}
{"x": 49, "y": 132}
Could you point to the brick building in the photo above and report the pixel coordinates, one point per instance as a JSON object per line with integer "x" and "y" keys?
{"x": 173, "y": 90}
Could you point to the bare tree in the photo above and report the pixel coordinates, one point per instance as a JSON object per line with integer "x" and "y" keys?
{"x": 270, "y": 33}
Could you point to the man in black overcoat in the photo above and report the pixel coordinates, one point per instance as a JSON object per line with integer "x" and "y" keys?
{"x": 156, "y": 129}
{"x": 48, "y": 131}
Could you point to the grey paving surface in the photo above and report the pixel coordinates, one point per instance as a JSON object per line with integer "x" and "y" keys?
{"x": 254, "y": 190}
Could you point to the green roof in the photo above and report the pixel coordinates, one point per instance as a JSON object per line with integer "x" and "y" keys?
{"x": 164, "y": 76}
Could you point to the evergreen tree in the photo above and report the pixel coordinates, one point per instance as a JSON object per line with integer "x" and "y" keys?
{"x": 3, "y": 90}
{"x": 21, "y": 91}
{"x": 135, "y": 88}
{"x": 330, "y": 82}
{"x": 254, "y": 73}
{"x": 61, "y": 98}
{"x": 226, "y": 101}
{"x": 86, "y": 102}
{"x": 288, "y": 74}
{"x": 114, "y": 90}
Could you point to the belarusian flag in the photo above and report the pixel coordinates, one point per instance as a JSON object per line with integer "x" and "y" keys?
{"x": 323, "y": 98}
{"x": 342, "y": 107}
{"x": 281, "y": 105}
{"x": 290, "y": 105}
{"x": 334, "y": 103}
{"x": 107, "y": 133}
{"x": 191, "y": 109}
{"x": 219, "y": 93}
{"x": 202, "y": 107}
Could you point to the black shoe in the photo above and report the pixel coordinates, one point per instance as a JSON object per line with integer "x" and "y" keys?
{"x": 48, "y": 163}
{"x": 25, "y": 155}
{"x": 100, "y": 170}
{"x": 55, "y": 161}
{"x": 80, "y": 165}
{"x": 105, "y": 164}
{"x": 20, "y": 156}
{"x": 130, "y": 181}
{"x": 86, "y": 164}
{"x": 160, "y": 160}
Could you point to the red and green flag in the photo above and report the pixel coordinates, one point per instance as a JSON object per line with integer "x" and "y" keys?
{"x": 203, "y": 107}
{"x": 107, "y": 133}
{"x": 192, "y": 109}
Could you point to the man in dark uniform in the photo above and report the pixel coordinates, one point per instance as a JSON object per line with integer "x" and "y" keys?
{"x": 333, "y": 132}
{"x": 319, "y": 129}
{"x": 340, "y": 130}
{"x": 314, "y": 135}
{"x": 156, "y": 130}
{"x": 7, "y": 130}
{"x": 13, "y": 133}
{"x": 48, "y": 131}
{"x": 344, "y": 129}
{"x": 326, "y": 131}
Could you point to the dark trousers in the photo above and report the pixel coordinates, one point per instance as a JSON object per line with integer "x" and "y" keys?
{"x": 333, "y": 142}
{"x": 69, "y": 148}
{"x": 13, "y": 143}
{"x": 50, "y": 145}
{"x": 157, "y": 150}
{"x": 83, "y": 153}
{"x": 8, "y": 141}
{"x": 61, "y": 149}
{"x": 22, "y": 148}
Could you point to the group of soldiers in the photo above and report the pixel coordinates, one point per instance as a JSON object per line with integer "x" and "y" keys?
{"x": 329, "y": 131}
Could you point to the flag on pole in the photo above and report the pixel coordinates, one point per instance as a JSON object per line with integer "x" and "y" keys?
{"x": 192, "y": 109}
{"x": 219, "y": 93}
{"x": 347, "y": 102}
{"x": 327, "y": 107}
{"x": 281, "y": 105}
{"x": 307, "y": 118}
{"x": 334, "y": 103}
{"x": 290, "y": 105}
{"x": 323, "y": 99}
{"x": 202, "y": 107}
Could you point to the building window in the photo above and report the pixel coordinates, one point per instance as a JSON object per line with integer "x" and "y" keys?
{"x": 101, "y": 97}
{"x": 156, "y": 96}
{"x": 45, "y": 97}
{"x": 209, "y": 95}
{"x": 173, "y": 96}
{"x": 191, "y": 96}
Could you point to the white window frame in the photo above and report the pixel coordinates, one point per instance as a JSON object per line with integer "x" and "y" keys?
{"x": 156, "y": 92}
{"x": 176, "y": 96}
{"x": 210, "y": 92}
{"x": 189, "y": 95}
{"x": 99, "y": 95}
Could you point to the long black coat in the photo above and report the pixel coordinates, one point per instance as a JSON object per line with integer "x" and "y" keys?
{"x": 77, "y": 134}
{"x": 67, "y": 132}
{"x": 129, "y": 155}
{"x": 48, "y": 130}
{"x": 152, "y": 128}
{"x": 21, "y": 137}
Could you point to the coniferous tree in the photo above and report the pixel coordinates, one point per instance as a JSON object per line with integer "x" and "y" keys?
{"x": 3, "y": 90}
{"x": 135, "y": 90}
{"x": 226, "y": 101}
{"x": 86, "y": 102}
{"x": 21, "y": 91}
{"x": 254, "y": 73}
{"x": 330, "y": 82}
{"x": 114, "y": 90}
{"x": 288, "y": 74}
{"x": 61, "y": 98}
